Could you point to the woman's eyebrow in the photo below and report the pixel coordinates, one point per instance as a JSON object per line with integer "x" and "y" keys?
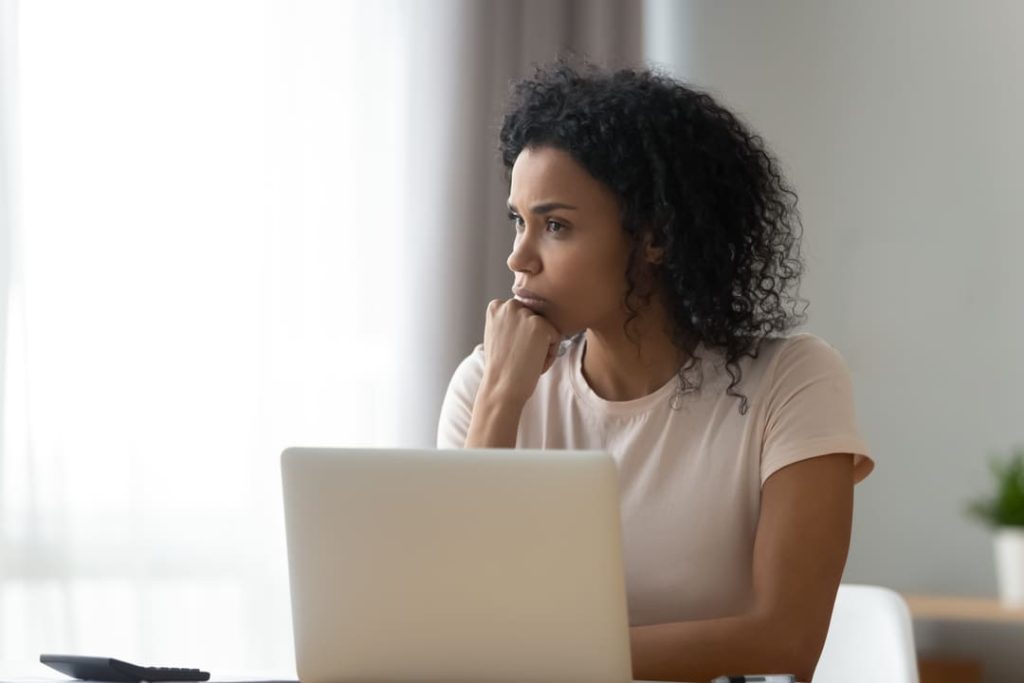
{"x": 546, "y": 207}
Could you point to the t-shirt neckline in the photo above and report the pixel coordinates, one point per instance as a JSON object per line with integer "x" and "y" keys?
{"x": 628, "y": 408}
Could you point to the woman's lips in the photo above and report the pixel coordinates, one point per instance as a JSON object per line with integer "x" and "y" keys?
{"x": 533, "y": 304}
{"x": 523, "y": 293}
{"x": 528, "y": 298}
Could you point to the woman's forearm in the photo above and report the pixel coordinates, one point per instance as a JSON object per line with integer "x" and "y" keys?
{"x": 495, "y": 419}
{"x": 701, "y": 650}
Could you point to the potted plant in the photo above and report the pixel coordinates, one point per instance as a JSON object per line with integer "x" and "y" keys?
{"x": 1005, "y": 513}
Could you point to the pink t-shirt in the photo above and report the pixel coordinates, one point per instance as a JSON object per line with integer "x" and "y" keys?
{"x": 690, "y": 478}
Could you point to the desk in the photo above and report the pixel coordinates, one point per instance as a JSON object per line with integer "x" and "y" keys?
{"x": 959, "y": 610}
{"x": 941, "y": 608}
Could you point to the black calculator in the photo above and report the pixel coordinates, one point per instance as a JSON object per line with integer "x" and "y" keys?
{"x": 107, "y": 669}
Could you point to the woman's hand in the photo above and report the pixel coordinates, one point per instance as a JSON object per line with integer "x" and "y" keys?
{"x": 519, "y": 346}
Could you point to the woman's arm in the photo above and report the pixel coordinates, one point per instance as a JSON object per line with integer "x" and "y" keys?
{"x": 495, "y": 419}
{"x": 519, "y": 346}
{"x": 803, "y": 536}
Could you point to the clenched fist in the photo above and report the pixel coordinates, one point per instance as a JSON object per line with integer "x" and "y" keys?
{"x": 519, "y": 346}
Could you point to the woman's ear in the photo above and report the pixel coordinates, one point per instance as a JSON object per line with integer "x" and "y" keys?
{"x": 652, "y": 254}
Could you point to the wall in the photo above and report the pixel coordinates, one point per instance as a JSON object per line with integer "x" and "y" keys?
{"x": 899, "y": 126}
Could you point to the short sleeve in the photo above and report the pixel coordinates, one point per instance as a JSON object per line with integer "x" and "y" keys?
{"x": 457, "y": 409}
{"x": 810, "y": 409}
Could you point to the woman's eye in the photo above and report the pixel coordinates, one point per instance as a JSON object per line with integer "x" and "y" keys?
{"x": 553, "y": 226}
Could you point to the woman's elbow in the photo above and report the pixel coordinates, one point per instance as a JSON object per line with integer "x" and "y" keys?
{"x": 795, "y": 643}
{"x": 804, "y": 650}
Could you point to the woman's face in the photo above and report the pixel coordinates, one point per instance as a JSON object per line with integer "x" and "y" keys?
{"x": 570, "y": 248}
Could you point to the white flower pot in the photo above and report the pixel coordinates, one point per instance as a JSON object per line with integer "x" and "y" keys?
{"x": 1009, "y": 548}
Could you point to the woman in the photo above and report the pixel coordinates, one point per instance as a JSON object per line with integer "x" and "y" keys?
{"x": 656, "y": 266}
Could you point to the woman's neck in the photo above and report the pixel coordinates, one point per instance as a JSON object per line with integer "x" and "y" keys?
{"x": 618, "y": 370}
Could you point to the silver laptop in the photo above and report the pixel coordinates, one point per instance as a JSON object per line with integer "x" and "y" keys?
{"x": 455, "y": 565}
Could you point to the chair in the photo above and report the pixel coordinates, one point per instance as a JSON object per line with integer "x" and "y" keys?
{"x": 870, "y": 638}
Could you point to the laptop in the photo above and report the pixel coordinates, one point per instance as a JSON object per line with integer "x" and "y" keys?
{"x": 455, "y": 565}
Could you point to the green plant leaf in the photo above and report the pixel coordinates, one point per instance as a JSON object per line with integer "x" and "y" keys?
{"x": 1006, "y": 507}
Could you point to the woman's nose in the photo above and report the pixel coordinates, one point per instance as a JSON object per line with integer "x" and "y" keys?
{"x": 523, "y": 258}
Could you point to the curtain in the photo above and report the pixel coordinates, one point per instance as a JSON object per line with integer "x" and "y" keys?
{"x": 228, "y": 227}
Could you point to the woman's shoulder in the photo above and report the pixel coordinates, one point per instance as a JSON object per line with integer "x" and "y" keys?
{"x": 801, "y": 348}
{"x": 457, "y": 406}
{"x": 792, "y": 365}
{"x": 808, "y": 405}
{"x": 470, "y": 369}
{"x": 783, "y": 360}
{"x": 805, "y": 348}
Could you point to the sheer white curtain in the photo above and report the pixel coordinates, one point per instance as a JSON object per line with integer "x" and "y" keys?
{"x": 205, "y": 270}
{"x": 229, "y": 227}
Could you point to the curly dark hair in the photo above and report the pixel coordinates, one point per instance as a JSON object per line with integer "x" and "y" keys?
{"x": 693, "y": 179}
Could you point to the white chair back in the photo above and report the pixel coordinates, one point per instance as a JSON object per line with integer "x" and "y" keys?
{"x": 870, "y": 638}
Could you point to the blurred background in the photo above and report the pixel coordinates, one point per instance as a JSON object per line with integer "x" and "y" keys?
{"x": 228, "y": 227}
